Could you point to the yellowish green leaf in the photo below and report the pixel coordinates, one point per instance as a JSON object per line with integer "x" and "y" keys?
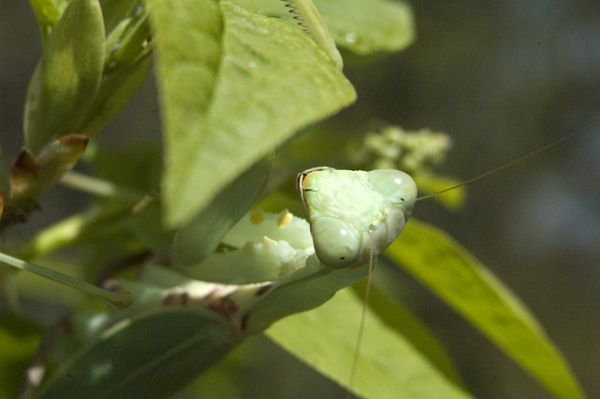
{"x": 452, "y": 273}
{"x": 234, "y": 86}
{"x": 389, "y": 366}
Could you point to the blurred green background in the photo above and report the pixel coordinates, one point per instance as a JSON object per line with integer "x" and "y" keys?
{"x": 502, "y": 78}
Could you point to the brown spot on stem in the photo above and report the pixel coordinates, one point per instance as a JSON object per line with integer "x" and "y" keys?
{"x": 23, "y": 172}
{"x": 184, "y": 298}
{"x": 244, "y": 322}
{"x": 176, "y": 299}
{"x": 226, "y": 307}
{"x": 74, "y": 140}
{"x": 171, "y": 300}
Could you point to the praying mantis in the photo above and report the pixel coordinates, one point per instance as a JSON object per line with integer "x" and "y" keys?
{"x": 175, "y": 294}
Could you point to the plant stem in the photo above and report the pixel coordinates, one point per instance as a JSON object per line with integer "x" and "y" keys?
{"x": 121, "y": 298}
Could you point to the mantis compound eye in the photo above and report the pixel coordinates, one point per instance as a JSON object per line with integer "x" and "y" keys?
{"x": 337, "y": 243}
{"x": 394, "y": 185}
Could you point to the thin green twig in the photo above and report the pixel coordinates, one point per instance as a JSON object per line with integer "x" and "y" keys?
{"x": 121, "y": 299}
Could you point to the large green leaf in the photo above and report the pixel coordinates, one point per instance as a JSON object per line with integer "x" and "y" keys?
{"x": 361, "y": 26}
{"x": 445, "y": 267}
{"x": 389, "y": 366}
{"x": 401, "y": 319}
{"x": 150, "y": 355}
{"x": 234, "y": 85}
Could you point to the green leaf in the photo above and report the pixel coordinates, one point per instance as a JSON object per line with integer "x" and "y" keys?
{"x": 234, "y": 86}
{"x": 158, "y": 353}
{"x": 117, "y": 12}
{"x": 19, "y": 340}
{"x": 401, "y": 319}
{"x": 445, "y": 267}
{"x": 195, "y": 241}
{"x": 369, "y": 26}
{"x": 259, "y": 368}
{"x": 127, "y": 63}
{"x": 360, "y": 26}
{"x": 389, "y": 366}
{"x": 68, "y": 75}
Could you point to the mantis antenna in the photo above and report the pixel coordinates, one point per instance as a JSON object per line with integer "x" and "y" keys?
{"x": 514, "y": 162}
{"x": 361, "y": 328}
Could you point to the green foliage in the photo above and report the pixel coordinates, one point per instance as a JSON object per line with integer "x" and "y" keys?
{"x": 172, "y": 353}
{"x": 88, "y": 71}
{"x": 362, "y": 27}
{"x": 465, "y": 284}
{"x": 386, "y": 354}
{"x": 68, "y": 75}
{"x": 272, "y": 80}
{"x": 126, "y": 63}
{"x": 213, "y": 223}
{"x": 239, "y": 81}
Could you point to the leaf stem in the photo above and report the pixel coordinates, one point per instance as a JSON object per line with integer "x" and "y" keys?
{"x": 121, "y": 298}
